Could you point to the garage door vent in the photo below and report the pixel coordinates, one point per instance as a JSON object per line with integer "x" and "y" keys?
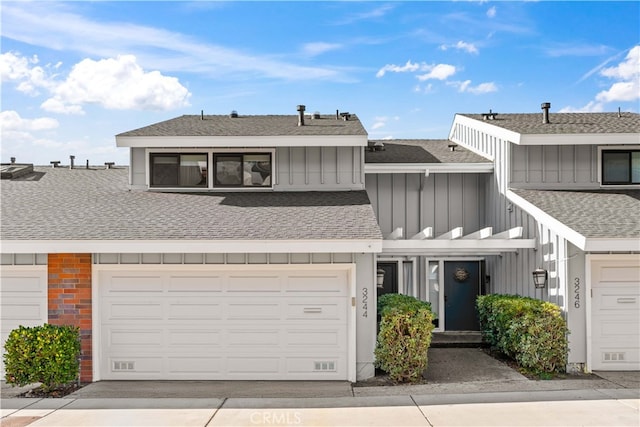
{"x": 327, "y": 366}
{"x": 612, "y": 357}
{"x": 124, "y": 366}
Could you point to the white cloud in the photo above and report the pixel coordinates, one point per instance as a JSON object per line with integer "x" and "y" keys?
{"x": 318, "y": 48}
{"x": 23, "y": 71}
{"x": 434, "y": 71}
{"x": 408, "y": 67}
{"x": 11, "y": 121}
{"x": 381, "y": 121}
{"x": 117, "y": 84}
{"x": 461, "y": 45}
{"x": 591, "y": 107}
{"x": 491, "y": 13}
{"x": 438, "y": 72}
{"x": 625, "y": 89}
{"x": 480, "y": 89}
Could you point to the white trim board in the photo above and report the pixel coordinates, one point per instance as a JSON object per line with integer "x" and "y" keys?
{"x": 428, "y": 168}
{"x": 243, "y": 141}
{"x": 191, "y": 246}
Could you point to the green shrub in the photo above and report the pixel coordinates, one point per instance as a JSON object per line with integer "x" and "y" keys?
{"x": 46, "y": 354}
{"x": 401, "y": 302}
{"x": 404, "y": 337}
{"x": 530, "y": 331}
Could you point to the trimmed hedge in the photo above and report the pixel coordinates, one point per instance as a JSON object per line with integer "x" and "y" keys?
{"x": 46, "y": 354}
{"x": 404, "y": 337}
{"x": 530, "y": 331}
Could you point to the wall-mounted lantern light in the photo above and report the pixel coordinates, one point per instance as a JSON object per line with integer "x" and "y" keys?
{"x": 540, "y": 278}
{"x": 380, "y": 278}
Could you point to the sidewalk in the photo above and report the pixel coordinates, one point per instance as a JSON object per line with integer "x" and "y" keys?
{"x": 616, "y": 407}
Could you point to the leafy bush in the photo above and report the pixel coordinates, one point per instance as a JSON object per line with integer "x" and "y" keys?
{"x": 46, "y": 354}
{"x": 401, "y": 302}
{"x": 404, "y": 337}
{"x": 530, "y": 331}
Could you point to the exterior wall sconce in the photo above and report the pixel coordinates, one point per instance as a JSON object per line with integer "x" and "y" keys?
{"x": 380, "y": 278}
{"x": 540, "y": 278}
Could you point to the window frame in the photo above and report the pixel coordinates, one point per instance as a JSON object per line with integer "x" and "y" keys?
{"x": 242, "y": 154}
{"x": 210, "y": 153}
{"x": 601, "y": 165}
{"x": 177, "y": 155}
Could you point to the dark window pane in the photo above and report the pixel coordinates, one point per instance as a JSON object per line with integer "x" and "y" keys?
{"x": 228, "y": 169}
{"x": 615, "y": 167}
{"x": 635, "y": 167}
{"x": 193, "y": 170}
{"x": 257, "y": 170}
{"x": 164, "y": 170}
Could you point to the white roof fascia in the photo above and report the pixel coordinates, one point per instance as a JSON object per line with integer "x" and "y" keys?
{"x": 474, "y": 246}
{"x": 580, "y": 139}
{"x": 612, "y": 245}
{"x": 242, "y": 141}
{"x": 428, "y": 168}
{"x": 483, "y": 126}
{"x": 544, "y": 218}
{"x": 191, "y": 246}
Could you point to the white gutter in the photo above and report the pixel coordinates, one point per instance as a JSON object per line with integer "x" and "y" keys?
{"x": 190, "y": 246}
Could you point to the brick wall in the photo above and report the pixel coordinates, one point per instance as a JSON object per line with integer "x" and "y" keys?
{"x": 69, "y": 301}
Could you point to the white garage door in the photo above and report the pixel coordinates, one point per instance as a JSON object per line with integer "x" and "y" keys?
{"x": 23, "y": 299}
{"x": 616, "y": 315}
{"x": 206, "y": 324}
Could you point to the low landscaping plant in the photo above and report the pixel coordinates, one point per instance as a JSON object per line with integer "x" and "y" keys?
{"x": 46, "y": 354}
{"x": 404, "y": 337}
{"x": 530, "y": 331}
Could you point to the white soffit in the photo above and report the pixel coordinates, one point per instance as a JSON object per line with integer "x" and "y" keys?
{"x": 191, "y": 246}
{"x": 454, "y": 242}
{"x": 242, "y": 141}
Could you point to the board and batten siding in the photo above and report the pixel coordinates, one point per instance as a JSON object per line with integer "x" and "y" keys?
{"x": 445, "y": 201}
{"x": 554, "y": 167}
{"x": 296, "y": 168}
{"x": 319, "y": 168}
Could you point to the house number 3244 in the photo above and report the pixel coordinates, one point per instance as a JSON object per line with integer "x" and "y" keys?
{"x": 365, "y": 301}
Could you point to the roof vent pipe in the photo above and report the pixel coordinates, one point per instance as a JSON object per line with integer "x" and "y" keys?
{"x": 71, "y": 159}
{"x": 13, "y": 160}
{"x": 619, "y": 112}
{"x": 300, "y": 109}
{"x": 201, "y": 114}
{"x": 545, "y": 112}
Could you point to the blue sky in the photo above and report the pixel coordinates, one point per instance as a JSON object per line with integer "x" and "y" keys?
{"x": 74, "y": 74}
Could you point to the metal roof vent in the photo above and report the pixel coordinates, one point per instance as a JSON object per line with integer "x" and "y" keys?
{"x": 315, "y": 115}
{"x": 300, "y": 109}
{"x": 545, "y": 112}
{"x": 345, "y": 116}
{"x": 489, "y": 116}
{"x": 233, "y": 114}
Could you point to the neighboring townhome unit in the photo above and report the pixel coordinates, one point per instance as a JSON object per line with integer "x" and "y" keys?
{"x": 233, "y": 247}
{"x": 572, "y": 182}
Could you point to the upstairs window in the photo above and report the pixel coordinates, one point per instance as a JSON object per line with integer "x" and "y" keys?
{"x": 242, "y": 169}
{"x": 620, "y": 167}
{"x": 179, "y": 170}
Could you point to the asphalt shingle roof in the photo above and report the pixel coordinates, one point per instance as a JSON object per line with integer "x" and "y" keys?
{"x": 421, "y": 151}
{"x": 83, "y": 204}
{"x": 565, "y": 123}
{"x": 264, "y": 125}
{"x": 609, "y": 214}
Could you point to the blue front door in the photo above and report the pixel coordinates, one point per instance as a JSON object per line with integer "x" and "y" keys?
{"x": 461, "y": 288}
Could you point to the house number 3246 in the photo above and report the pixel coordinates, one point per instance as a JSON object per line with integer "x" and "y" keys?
{"x": 576, "y": 292}
{"x": 365, "y": 301}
